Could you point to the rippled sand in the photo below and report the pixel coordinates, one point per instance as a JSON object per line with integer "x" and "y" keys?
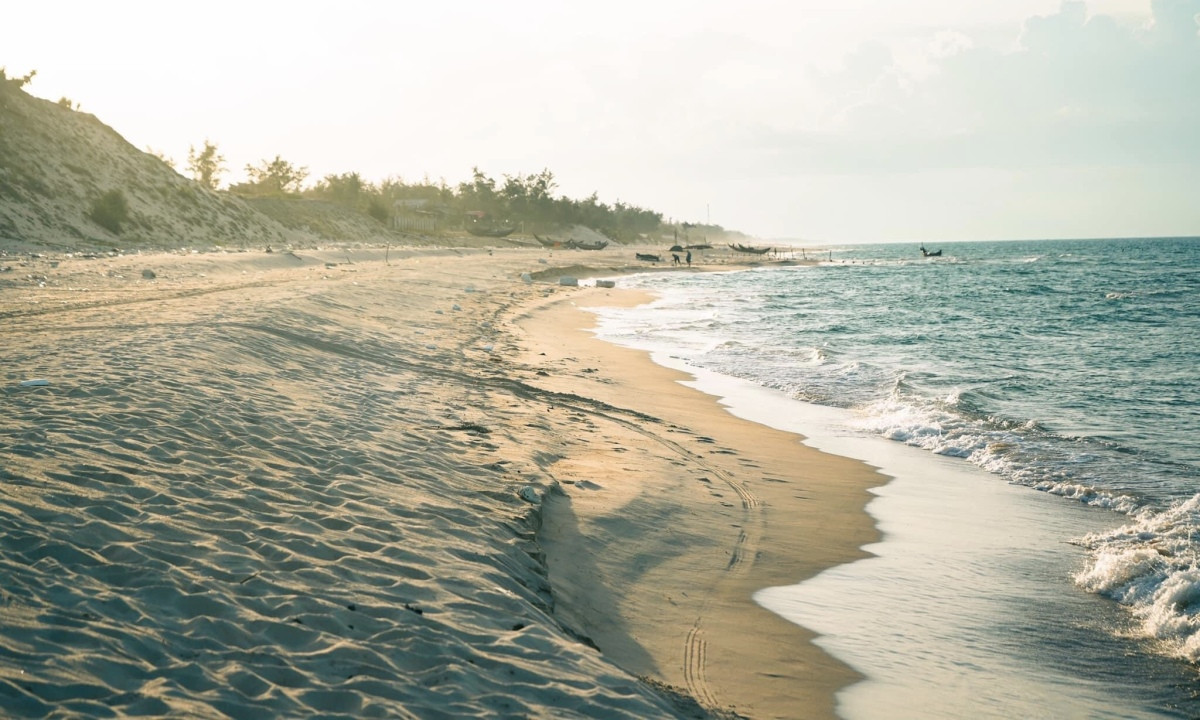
{"x": 287, "y": 485}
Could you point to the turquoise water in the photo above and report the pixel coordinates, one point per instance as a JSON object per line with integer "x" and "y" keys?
{"x": 1064, "y": 370}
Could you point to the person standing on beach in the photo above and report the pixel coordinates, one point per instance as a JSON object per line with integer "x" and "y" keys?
{"x": 689, "y": 258}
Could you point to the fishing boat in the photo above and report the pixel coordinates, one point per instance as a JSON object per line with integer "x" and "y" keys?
{"x": 586, "y": 245}
{"x": 481, "y": 224}
{"x": 737, "y": 247}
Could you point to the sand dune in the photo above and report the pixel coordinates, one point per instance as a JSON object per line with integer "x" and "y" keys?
{"x": 300, "y": 485}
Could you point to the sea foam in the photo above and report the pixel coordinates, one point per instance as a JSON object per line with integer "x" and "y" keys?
{"x": 1150, "y": 566}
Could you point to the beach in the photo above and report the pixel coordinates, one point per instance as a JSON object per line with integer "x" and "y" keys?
{"x": 390, "y": 482}
{"x": 1037, "y": 552}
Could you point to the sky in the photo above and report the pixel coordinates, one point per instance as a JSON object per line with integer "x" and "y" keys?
{"x": 824, "y": 121}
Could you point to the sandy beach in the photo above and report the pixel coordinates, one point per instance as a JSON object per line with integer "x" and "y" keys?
{"x": 402, "y": 483}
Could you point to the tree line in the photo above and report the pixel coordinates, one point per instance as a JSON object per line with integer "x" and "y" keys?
{"x": 525, "y": 201}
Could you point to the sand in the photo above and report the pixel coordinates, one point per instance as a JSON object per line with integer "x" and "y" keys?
{"x": 401, "y": 484}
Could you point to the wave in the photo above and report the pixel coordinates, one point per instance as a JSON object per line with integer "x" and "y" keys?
{"x": 1018, "y": 450}
{"x": 1151, "y": 567}
{"x": 1066, "y": 368}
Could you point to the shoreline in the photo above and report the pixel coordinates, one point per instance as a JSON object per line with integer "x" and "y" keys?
{"x": 753, "y": 506}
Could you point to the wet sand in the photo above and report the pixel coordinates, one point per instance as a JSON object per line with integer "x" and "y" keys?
{"x": 667, "y": 530}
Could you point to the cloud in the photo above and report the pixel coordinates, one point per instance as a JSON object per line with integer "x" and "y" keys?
{"x": 948, "y": 43}
{"x": 1074, "y": 90}
{"x": 1176, "y": 21}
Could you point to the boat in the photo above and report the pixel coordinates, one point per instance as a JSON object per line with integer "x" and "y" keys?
{"x": 737, "y": 247}
{"x": 926, "y": 253}
{"x": 648, "y": 257}
{"x": 485, "y": 230}
{"x": 571, "y": 244}
{"x": 478, "y": 223}
{"x": 585, "y": 245}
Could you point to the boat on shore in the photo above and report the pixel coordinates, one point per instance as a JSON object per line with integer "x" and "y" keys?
{"x": 487, "y": 230}
{"x": 586, "y": 245}
{"x": 571, "y": 244}
{"x": 750, "y": 249}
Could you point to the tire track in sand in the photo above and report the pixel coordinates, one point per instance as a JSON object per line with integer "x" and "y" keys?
{"x": 695, "y": 664}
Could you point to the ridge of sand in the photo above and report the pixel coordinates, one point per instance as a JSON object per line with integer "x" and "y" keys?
{"x": 283, "y": 485}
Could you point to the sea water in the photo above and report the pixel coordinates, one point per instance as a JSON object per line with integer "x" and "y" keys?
{"x": 1038, "y": 404}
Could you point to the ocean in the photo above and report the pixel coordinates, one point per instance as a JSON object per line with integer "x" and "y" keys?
{"x": 1038, "y": 404}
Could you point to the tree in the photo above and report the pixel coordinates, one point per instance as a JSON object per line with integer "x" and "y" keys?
{"x": 394, "y": 188}
{"x": 347, "y": 189}
{"x": 277, "y": 176}
{"x": 480, "y": 193}
{"x": 516, "y": 196}
{"x": 540, "y": 192}
{"x": 17, "y": 82}
{"x": 207, "y": 165}
{"x": 528, "y": 197}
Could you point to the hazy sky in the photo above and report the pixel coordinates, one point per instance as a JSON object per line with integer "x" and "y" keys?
{"x": 827, "y": 120}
